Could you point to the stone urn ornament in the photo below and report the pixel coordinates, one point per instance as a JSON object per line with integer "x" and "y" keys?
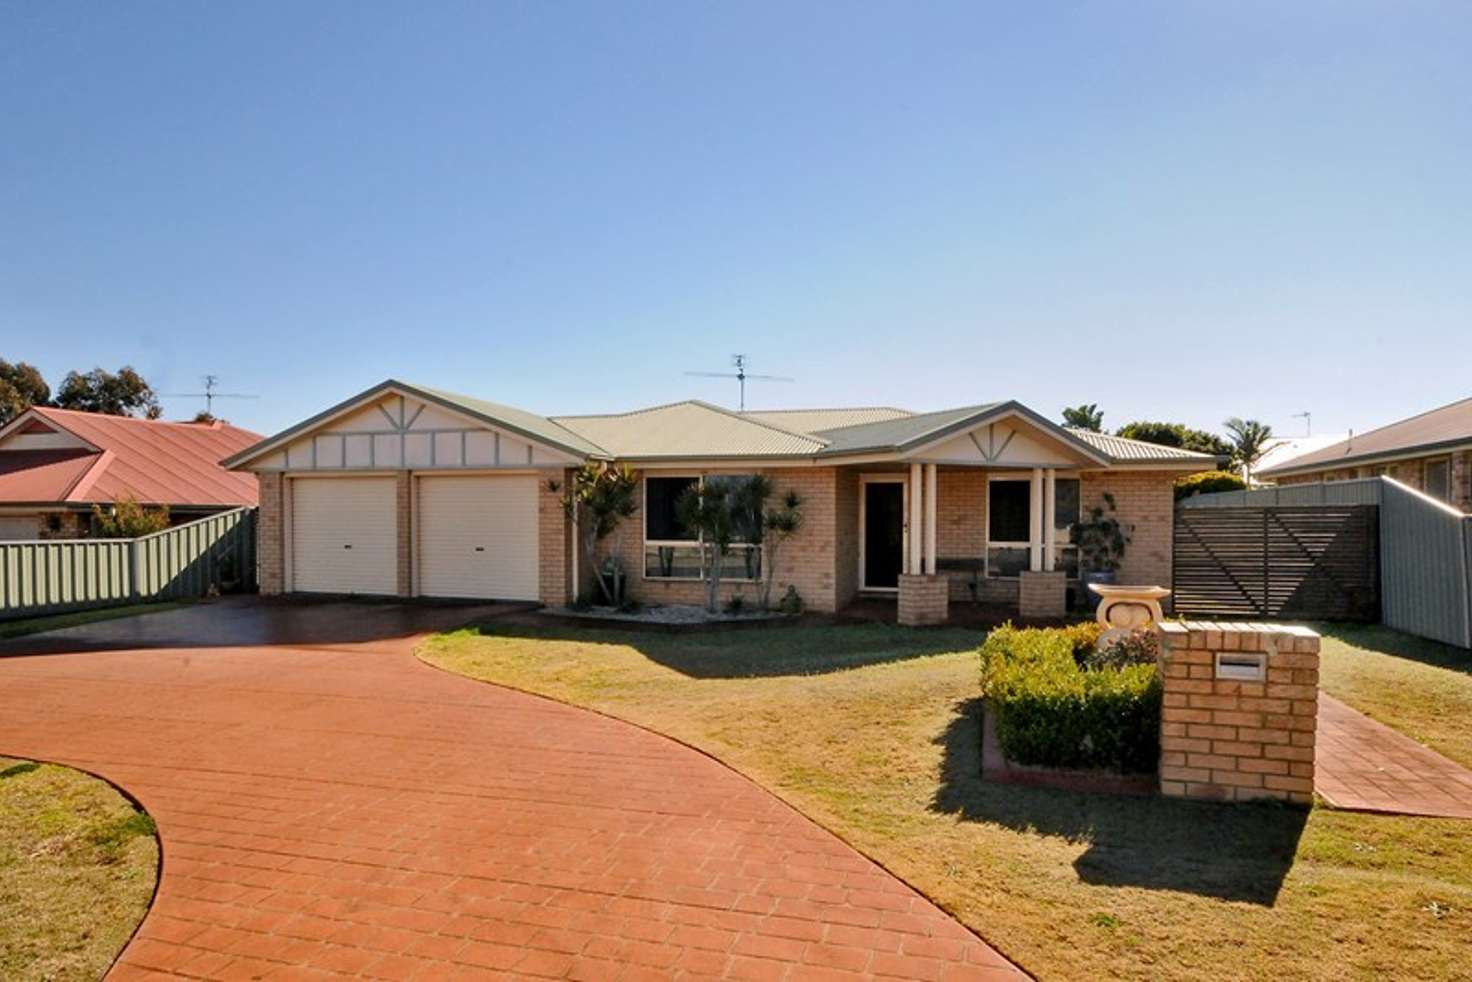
{"x": 1123, "y": 609}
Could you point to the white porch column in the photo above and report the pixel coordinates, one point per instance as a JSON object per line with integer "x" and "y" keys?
{"x": 1035, "y": 522}
{"x": 930, "y": 494}
{"x": 1050, "y": 510}
{"x": 916, "y": 530}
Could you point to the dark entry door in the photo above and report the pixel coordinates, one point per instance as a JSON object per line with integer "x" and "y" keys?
{"x": 884, "y": 534}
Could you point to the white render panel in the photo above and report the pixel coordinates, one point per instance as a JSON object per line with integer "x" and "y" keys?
{"x": 387, "y": 451}
{"x": 480, "y": 449}
{"x": 357, "y": 450}
{"x": 329, "y": 451}
{"x": 447, "y": 450}
{"x": 478, "y": 536}
{"x": 1003, "y": 445}
{"x": 343, "y": 535}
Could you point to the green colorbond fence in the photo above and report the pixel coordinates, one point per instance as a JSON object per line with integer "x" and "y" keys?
{"x": 217, "y": 553}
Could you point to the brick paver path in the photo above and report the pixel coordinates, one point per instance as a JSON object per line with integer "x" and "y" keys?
{"x": 344, "y": 808}
{"x": 1366, "y": 766}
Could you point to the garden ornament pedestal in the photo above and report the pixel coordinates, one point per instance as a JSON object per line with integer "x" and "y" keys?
{"x": 1129, "y": 608}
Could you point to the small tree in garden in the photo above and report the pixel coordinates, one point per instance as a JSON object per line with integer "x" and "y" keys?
{"x": 780, "y": 525}
{"x": 720, "y": 511}
{"x": 125, "y": 518}
{"x": 1101, "y": 540}
{"x": 598, "y": 497}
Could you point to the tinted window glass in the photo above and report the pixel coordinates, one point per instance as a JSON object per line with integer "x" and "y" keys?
{"x": 1007, "y": 511}
{"x": 660, "y": 495}
{"x": 1065, "y": 503}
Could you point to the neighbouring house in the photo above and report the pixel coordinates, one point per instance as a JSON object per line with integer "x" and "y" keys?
{"x": 1431, "y": 452}
{"x": 410, "y": 491}
{"x": 55, "y": 464}
{"x": 1281, "y": 449}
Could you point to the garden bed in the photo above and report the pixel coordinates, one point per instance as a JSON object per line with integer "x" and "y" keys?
{"x": 668, "y": 617}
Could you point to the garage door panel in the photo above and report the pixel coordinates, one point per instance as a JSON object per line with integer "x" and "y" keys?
{"x": 478, "y": 537}
{"x": 344, "y": 534}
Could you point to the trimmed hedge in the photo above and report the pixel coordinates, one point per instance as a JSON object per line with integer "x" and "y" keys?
{"x": 1051, "y": 712}
{"x": 1207, "y": 482}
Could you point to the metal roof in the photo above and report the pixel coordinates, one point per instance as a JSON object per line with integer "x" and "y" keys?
{"x": 817, "y": 420}
{"x": 689, "y": 429}
{"x": 891, "y": 434}
{"x": 1126, "y": 451}
{"x": 154, "y": 461}
{"x": 1445, "y": 426}
{"x": 543, "y": 428}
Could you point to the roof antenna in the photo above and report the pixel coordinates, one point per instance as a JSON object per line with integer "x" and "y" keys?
{"x": 741, "y": 375}
{"x": 209, "y": 395}
{"x": 1308, "y": 422}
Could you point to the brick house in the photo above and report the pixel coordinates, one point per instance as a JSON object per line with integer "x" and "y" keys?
{"x": 1431, "y": 452}
{"x": 410, "y": 491}
{"x": 55, "y": 464}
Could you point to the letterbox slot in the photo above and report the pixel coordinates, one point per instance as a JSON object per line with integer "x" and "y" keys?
{"x": 1235, "y": 666}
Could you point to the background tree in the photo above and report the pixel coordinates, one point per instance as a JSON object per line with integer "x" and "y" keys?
{"x": 21, "y": 387}
{"x": 1249, "y": 443}
{"x": 100, "y": 391}
{"x": 205, "y": 416}
{"x": 1087, "y": 416}
{"x": 125, "y": 518}
{"x": 1176, "y": 435}
{"x": 598, "y": 498}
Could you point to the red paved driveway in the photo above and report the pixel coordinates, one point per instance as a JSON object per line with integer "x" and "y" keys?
{"x": 338, "y": 806}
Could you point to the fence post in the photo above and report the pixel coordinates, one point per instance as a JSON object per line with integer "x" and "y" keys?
{"x": 134, "y": 590}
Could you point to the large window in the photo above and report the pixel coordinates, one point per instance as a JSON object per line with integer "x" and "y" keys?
{"x": 1438, "y": 478}
{"x": 1009, "y": 525}
{"x": 671, "y": 552}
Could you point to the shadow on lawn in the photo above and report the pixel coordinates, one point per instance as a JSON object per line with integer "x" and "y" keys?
{"x": 1396, "y": 644}
{"x": 806, "y": 648}
{"x": 1231, "y": 852}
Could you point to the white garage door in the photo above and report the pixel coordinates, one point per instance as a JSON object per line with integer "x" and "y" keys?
{"x": 342, "y": 535}
{"x": 19, "y": 527}
{"x": 478, "y": 537}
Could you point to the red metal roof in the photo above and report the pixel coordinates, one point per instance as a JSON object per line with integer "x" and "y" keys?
{"x": 153, "y": 461}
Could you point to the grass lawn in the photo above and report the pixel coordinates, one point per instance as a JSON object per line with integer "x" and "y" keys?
{"x": 78, "y": 865}
{"x": 34, "y": 625}
{"x": 1422, "y": 688}
{"x": 873, "y": 732}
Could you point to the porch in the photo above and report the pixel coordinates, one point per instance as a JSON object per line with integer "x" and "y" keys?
{"x": 938, "y": 542}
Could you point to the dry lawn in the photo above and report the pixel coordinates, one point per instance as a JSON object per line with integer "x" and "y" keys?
{"x": 872, "y": 731}
{"x": 78, "y": 864}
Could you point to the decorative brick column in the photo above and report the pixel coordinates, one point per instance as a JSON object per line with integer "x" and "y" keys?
{"x": 923, "y": 600}
{"x": 1240, "y": 709}
{"x": 1042, "y": 596}
{"x": 404, "y": 520}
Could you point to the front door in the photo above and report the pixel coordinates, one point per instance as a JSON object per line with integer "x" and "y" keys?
{"x": 884, "y": 534}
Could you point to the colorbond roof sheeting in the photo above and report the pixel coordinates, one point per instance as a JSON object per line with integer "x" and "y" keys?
{"x": 1447, "y": 425}
{"x": 1125, "y": 451}
{"x": 41, "y": 475}
{"x": 688, "y": 429}
{"x": 816, "y": 420}
{"x": 150, "y": 460}
{"x": 892, "y": 433}
{"x": 532, "y": 425}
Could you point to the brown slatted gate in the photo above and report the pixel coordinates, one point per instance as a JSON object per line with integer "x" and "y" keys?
{"x": 1319, "y": 562}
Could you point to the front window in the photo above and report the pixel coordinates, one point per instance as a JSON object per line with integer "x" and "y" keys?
{"x": 671, "y": 552}
{"x": 1009, "y": 525}
{"x": 1439, "y": 478}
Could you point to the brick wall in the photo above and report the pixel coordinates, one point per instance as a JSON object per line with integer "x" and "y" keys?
{"x": 554, "y": 560}
{"x": 1411, "y": 473}
{"x": 1145, "y": 503}
{"x": 67, "y": 525}
{"x": 270, "y": 534}
{"x": 1042, "y": 595}
{"x": 960, "y": 528}
{"x": 404, "y": 532}
{"x": 808, "y": 561}
{"x": 846, "y": 533}
{"x": 1236, "y": 740}
{"x": 1462, "y": 480}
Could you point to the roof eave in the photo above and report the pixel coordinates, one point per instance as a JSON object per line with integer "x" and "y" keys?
{"x": 1293, "y": 468}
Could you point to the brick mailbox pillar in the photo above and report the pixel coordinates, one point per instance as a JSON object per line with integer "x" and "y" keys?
{"x": 923, "y": 599}
{"x": 1240, "y": 709}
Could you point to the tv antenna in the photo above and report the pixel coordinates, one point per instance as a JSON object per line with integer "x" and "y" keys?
{"x": 1308, "y": 422}
{"x": 209, "y": 395}
{"x": 741, "y": 375}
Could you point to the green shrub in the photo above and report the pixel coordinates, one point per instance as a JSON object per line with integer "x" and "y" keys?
{"x": 1207, "y": 482}
{"x": 1052, "y": 712}
{"x": 1139, "y": 647}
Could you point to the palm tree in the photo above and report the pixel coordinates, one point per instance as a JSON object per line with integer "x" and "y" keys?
{"x": 1249, "y": 443}
{"x": 1087, "y": 416}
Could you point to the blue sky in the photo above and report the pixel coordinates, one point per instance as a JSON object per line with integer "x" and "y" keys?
{"x": 1177, "y": 210}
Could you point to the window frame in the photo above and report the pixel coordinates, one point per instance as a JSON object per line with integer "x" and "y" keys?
{"x": 697, "y": 542}
{"x": 1426, "y": 466}
{"x": 1060, "y": 545}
